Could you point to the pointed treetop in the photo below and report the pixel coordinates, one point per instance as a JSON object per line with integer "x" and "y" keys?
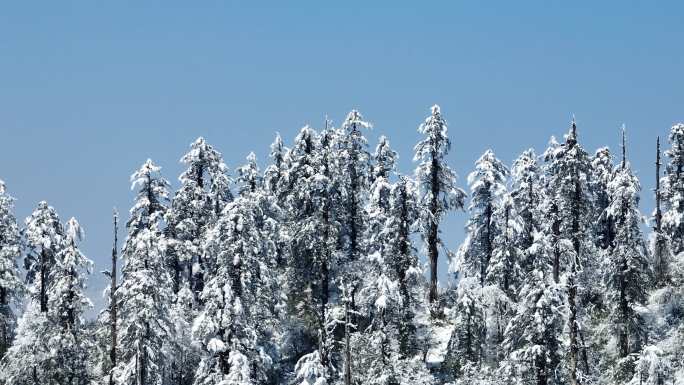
{"x": 354, "y": 121}
{"x": 74, "y": 231}
{"x": 435, "y": 110}
{"x": 572, "y": 136}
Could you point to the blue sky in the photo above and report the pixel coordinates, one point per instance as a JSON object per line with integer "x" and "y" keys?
{"x": 89, "y": 90}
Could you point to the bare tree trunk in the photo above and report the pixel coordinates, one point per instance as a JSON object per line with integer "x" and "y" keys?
{"x": 433, "y": 252}
{"x": 347, "y": 348}
{"x": 112, "y": 302}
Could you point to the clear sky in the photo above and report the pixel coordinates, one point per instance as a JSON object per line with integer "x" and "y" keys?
{"x": 89, "y": 90}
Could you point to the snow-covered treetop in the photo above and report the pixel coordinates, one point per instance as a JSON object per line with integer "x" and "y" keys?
{"x": 43, "y": 228}
{"x": 489, "y": 176}
{"x": 202, "y": 158}
{"x": 354, "y": 122}
{"x": 249, "y": 176}
{"x": 385, "y": 158}
{"x": 153, "y": 192}
{"x": 74, "y": 232}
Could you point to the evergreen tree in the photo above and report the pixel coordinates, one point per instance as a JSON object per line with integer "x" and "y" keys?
{"x": 145, "y": 294}
{"x": 673, "y": 189}
{"x": 466, "y": 345}
{"x": 45, "y": 238}
{"x": 354, "y": 179}
{"x": 569, "y": 177}
{"x": 11, "y": 286}
{"x": 226, "y": 327}
{"x": 602, "y": 174}
{"x": 437, "y": 181}
{"x": 626, "y": 270}
{"x": 67, "y": 339}
{"x": 487, "y": 185}
{"x": 659, "y": 242}
{"x": 527, "y": 194}
{"x": 504, "y": 269}
{"x": 533, "y": 340}
{"x": 31, "y": 359}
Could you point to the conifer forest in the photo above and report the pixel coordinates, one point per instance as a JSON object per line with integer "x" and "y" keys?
{"x": 319, "y": 266}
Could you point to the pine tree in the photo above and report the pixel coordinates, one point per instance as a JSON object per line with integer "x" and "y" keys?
{"x": 487, "y": 185}
{"x": 466, "y": 345}
{"x": 659, "y": 243}
{"x": 602, "y": 174}
{"x": 249, "y": 177}
{"x": 354, "y": 163}
{"x": 204, "y": 191}
{"x": 438, "y": 184}
{"x": 226, "y": 326}
{"x": 626, "y": 270}
{"x": 527, "y": 194}
{"x": 569, "y": 176}
{"x": 673, "y": 189}
{"x": 67, "y": 339}
{"x": 44, "y": 240}
{"x": 504, "y": 269}
{"x": 533, "y": 337}
{"x": 145, "y": 294}
{"x": 11, "y": 285}
{"x": 31, "y": 359}
{"x": 401, "y": 256}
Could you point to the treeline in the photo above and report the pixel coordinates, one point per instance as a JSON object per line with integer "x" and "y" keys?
{"x": 309, "y": 272}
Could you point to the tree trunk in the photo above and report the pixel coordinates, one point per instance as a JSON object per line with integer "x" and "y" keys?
{"x": 113, "y": 304}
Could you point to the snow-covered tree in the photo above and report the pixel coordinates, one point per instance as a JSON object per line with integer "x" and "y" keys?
{"x": 487, "y": 185}
{"x": 505, "y": 267}
{"x": 226, "y": 327}
{"x": 67, "y": 338}
{"x": 527, "y": 194}
{"x": 568, "y": 183}
{"x": 626, "y": 270}
{"x": 354, "y": 179}
{"x": 249, "y": 177}
{"x": 437, "y": 182}
{"x": 660, "y": 251}
{"x": 145, "y": 294}
{"x": 673, "y": 189}
{"x": 601, "y": 175}
{"x": 466, "y": 345}
{"x": 533, "y": 338}
{"x": 44, "y": 235}
{"x": 11, "y": 285}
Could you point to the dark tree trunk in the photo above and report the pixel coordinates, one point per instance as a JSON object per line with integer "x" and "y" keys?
{"x": 113, "y": 303}
{"x": 433, "y": 252}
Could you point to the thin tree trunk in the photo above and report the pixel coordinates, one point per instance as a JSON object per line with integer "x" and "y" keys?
{"x": 113, "y": 303}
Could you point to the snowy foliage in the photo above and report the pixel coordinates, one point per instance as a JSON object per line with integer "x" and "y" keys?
{"x": 307, "y": 273}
